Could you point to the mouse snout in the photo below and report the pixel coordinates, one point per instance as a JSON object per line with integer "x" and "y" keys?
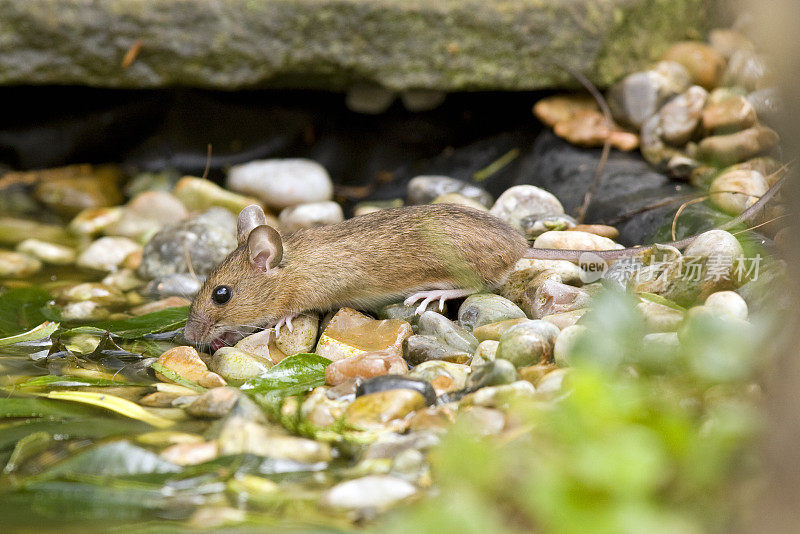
{"x": 196, "y": 328}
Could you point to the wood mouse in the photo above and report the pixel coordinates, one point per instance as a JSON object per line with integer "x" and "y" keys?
{"x": 422, "y": 253}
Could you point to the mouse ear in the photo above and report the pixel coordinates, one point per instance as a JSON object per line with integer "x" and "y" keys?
{"x": 265, "y": 248}
{"x": 249, "y": 218}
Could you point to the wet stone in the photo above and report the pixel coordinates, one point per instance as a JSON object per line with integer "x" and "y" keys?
{"x": 442, "y": 376}
{"x": 527, "y": 270}
{"x": 705, "y": 65}
{"x": 525, "y": 201}
{"x": 158, "y": 305}
{"x": 186, "y": 363}
{"x": 190, "y": 453}
{"x": 564, "y": 319}
{"x": 107, "y": 253}
{"x": 175, "y": 285}
{"x": 486, "y": 308}
{"x": 321, "y": 410}
{"x": 14, "y": 230}
{"x": 557, "y": 108}
{"x": 492, "y": 373}
{"x": 733, "y": 148}
{"x": 280, "y": 183}
{"x": 407, "y": 313}
{"x": 591, "y": 129}
{"x": 569, "y": 240}
{"x": 68, "y": 190}
{"x": 390, "y": 445}
{"x": 597, "y": 229}
{"x": 47, "y": 252}
{"x": 425, "y": 189}
{"x": 365, "y": 365}
{"x": 242, "y": 436}
{"x": 94, "y": 291}
{"x": 639, "y": 96}
{"x": 501, "y": 396}
{"x": 486, "y": 352}
{"x": 735, "y": 191}
{"x": 418, "y": 349}
{"x": 437, "y": 325}
{"x": 534, "y": 373}
{"x": 84, "y": 311}
{"x": 729, "y": 115}
{"x": 214, "y": 403}
{"x": 93, "y": 221}
{"x": 658, "y": 317}
{"x": 681, "y": 115}
{"x": 16, "y": 265}
{"x": 386, "y": 383}
{"x": 349, "y": 333}
{"x": 146, "y": 214}
{"x": 204, "y": 240}
{"x": 261, "y": 345}
{"x": 301, "y": 338}
{"x": 199, "y": 195}
{"x": 528, "y": 343}
{"x": 554, "y": 297}
{"x": 310, "y": 215}
{"x": 483, "y": 421}
{"x": 237, "y": 366}
{"x": 377, "y": 409}
{"x": 493, "y": 331}
{"x": 565, "y": 343}
{"x": 727, "y": 303}
{"x": 375, "y": 492}
{"x": 552, "y": 382}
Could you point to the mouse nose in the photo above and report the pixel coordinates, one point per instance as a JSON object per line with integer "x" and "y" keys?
{"x": 193, "y": 330}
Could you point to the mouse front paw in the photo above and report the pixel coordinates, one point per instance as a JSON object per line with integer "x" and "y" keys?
{"x": 285, "y": 320}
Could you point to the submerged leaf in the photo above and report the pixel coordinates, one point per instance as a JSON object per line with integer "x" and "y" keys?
{"x": 178, "y": 379}
{"x": 71, "y": 381}
{"x": 23, "y": 308}
{"x": 293, "y": 375}
{"x": 93, "y": 427}
{"x": 156, "y": 322}
{"x": 113, "y": 403}
{"x": 42, "y": 331}
{"x": 39, "y": 407}
{"x": 118, "y": 458}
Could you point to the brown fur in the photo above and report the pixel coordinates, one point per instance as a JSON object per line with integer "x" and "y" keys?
{"x": 363, "y": 261}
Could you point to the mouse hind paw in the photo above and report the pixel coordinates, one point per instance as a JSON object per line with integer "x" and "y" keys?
{"x": 440, "y": 295}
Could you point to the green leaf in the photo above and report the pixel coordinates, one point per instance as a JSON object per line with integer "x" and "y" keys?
{"x": 38, "y": 407}
{"x": 293, "y": 375}
{"x": 93, "y": 427}
{"x": 23, "y": 308}
{"x": 113, "y": 403}
{"x": 658, "y": 299}
{"x": 178, "y": 379}
{"x": 135, "y": 327}
{"x": 71, "y": 381}
{"x": 40, "y": 332}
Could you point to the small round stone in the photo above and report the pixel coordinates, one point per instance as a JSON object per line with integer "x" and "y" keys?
{"x": 705, "y": 65}
{"x": 107, "y": 253}
{"x": 451, "y": 334}
{"x": 47, "y": 252}
{"x": 310, "y": 215}
{"x": 735, "y": 191}
{"x": 391, "y": 382}
{"x": 565, "y": 343}
{"x": 16, "y": 265}
{"x": 728, "y": 303}
{"x": 281, "y": 183}
{"x": 425, "y": 189}
{"x": 528, "y": 343}
{"x": 486, "y": 308}
{"x": 525, "y": 201}
{"x": 492, "y": 373}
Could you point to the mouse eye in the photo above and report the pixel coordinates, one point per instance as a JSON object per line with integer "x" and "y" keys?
{"x": 221, "y": 294}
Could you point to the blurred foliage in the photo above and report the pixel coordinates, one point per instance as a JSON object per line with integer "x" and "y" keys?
{"x": 642, "y": 441}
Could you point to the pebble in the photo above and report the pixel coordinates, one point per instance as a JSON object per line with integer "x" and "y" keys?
{"x": 565, "y": 343}
{"x": 727, "y": 303}
{"x": 659, "y": 317}
{"x": 174, "y": 285}
{"x": 528, "y": 343}
{"x": 124, "y": 280}
{"x": 555, "y": 297}
{"x": 492, "y": 373}
{"x": 365, "y": 365}
{"x": 486, "y": 308}
{"x": 525, "y": 201}
{"x": 84, "y": 311}
{"x": 733, "y": 148}
{"x": 94, "y": 291}
{"x": 214, "y": 403}
{"x": 425, "y": 189}
{"x": 747, "y": 69}
{"x": 459, "y": 200}
{"x": 451, "y": 334}
{"x": 730, "y": 114}
{"x": 418, "y": 100}
{"x": 236, "y": 365}
{"x": 190, "y": 453}
{"x": 442, "y": 376}
{"x": 261, "y": 345}
{"x": 735, "y": 191}
{"x": 205, "y": 240}
{"x": 239, "y": 435}
{"x": 591, "y": 129}
{"x": 407, "y": 313}
{"x": 371, "y": 206}
{"x": 375, "y": 492}
{"x": 652, "y": 147}
{"x": 486, "y": 352}
{"x": 146, "y": 214}
{"x": 597, "y": 229}
{"x": 533, "y": 227}
{"x": 552, "y": 382}
{"x": 483, "y": 421}
{"x": 529, "y": 271}
{"x": 534, "y": 373}
{"x": 107, "y": 253}
{"x": 723, "y": 252}
{"x": 369, "y": 99}
{"x": 386, "y": 383}
{"x": 197, "y": 194}
{"x": 186, "y": 363}
{"x": 574, "y": 241}
{"x": 281, "y": 183}
{"x": 349, "y": 333}
{"x": 705, "y": 65}
{"x": 93, "y": 221}
{"x": 678, "y": 118}
{"x": 638, "y": 96}
{"x": 493, "y": 331}
{"x": 321, "y": 410}
{"x": 390, "y": 445}
{"x": 310, "y": 215}
{"x": 419, "y": 348}
{"x": 47, "y": 252}
{"x": 565, "y": 319}
{"x": 13, "y": 231}
{"x": 301, "y": 338}
{"x": 158, "y": 305}
{"x": 377, "y": 409}
{"x": 16, "y": 265}
{"x": 68, "y": 190}
{"x": 501, "y": 396}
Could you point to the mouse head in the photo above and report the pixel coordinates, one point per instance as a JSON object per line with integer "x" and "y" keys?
{"x": 235, "y": 296}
